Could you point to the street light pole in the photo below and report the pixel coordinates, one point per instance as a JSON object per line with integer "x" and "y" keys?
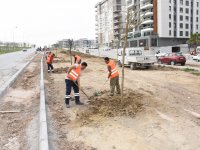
{"x": 14, "y": 38}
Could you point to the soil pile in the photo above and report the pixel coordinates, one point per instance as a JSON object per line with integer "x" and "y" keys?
{"x": 113, "y": 106}
{"x": 61, "y": 70}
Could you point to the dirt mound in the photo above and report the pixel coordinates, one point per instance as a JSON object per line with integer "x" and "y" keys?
{"x": 61, "y": 70}
{"x": 113, "y": 106}
{"x": 164, "y": 68}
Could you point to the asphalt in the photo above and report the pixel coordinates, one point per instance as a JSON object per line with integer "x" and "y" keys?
{"x": 12, "y": 62}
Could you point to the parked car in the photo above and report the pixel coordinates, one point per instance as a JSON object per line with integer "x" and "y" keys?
{"x": 172, "y": 59}
{"x": 135, "y": 58}
{"x": 24, "y": 50}
{"x": 197, "y": 57}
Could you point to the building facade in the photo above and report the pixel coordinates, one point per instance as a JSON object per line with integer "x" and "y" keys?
{"x": 85, "y": 43}
{"x": 110, "y": 21}
{"x": 163, "y": 22}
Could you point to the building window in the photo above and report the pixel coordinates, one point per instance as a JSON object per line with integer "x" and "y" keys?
{"x": 181, "y": 25}
{"x": 181, "y": 33}
{"x": 187, "y": 3}
{"x": 181, "y": 18}
{"x": 197, "y": 12}
{"x": 197, "y": 27}
{"x": 170, "y": 16}
{"x": 197, "y": 4}
{"x": 197, "y": 19}
{"x": 181, "y": 2}
{"x": 170, "y": 32}
{"x": 187, "y": 11}
{"x": 186, "y": 33}
{"x": 170, "y": 8}
{"x": 187, "y": 18}
{"x": 170, "y": 24}
{"x": 181, "y": 10}
{"x": 170, "y": 1}
{"x": 187, "y": 26}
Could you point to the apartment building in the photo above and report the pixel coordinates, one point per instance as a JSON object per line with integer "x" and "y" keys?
{"x": 85, "y": 43}
{"x": 110, "y": 21}
{"x": 163, "y": 22}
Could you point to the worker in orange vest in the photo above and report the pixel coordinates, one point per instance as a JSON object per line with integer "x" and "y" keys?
{"x": 72, "y": 80}
{"x": 49, "y": 62}
{"x": 113, "y": 76}
{"x": 77, "y": 59}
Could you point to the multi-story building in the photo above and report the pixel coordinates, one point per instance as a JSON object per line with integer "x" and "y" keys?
{"x": 85, "y": 43}
{"x": 110, "y": 21}
{"x": 163, "y": 22}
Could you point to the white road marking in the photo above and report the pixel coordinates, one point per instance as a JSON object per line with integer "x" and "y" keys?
{"x": 163, "y": 116}
{"x": 196, "y": 115}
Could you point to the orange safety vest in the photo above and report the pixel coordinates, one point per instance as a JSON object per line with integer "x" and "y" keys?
{"x": 49, "y": 59}
{"x": 78, "y": 58}
{"x": 114, "y": 71}
{"x": 75, "y": 73}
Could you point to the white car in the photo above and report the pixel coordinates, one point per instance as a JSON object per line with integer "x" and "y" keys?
{"x": 197, "y": 57}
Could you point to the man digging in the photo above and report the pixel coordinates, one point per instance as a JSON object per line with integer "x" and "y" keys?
{"x": 113, "y": 76}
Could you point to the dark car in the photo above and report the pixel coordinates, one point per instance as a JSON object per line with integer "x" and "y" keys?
{"x": 24, "y": 50}
{"x": 172, "y": 59}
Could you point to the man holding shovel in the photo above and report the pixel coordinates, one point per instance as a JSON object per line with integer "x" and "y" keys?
{"x": 113, "y": 76}
{"x": 72, "y": 80}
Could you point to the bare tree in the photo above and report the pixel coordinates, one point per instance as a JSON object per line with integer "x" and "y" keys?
{"x": 71, "y": 43}
{"x": 131, "y": 22}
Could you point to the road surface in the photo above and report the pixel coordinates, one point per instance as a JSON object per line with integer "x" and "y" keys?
{"x": 10, "y": 63}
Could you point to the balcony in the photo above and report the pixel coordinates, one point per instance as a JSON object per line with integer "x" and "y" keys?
{"x": 147, "y": 5}
{"x": 148, "y": 29}
{"x": 117, "y": 15}
{"x": 147, "y": 13}
{"x": 116, "y": 33}
{"x": 148, "y": 20}
{"x": 116, "y": 22}
{"x": 117, "y": 9}
{"x": 116, "y": 27}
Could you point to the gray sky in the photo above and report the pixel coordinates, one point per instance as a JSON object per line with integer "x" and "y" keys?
{"x": 46, "y": 21}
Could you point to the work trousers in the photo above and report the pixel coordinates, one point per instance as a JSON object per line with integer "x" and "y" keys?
{"x": 69, "y": 85}
{"x": 114, "y": 82}
{"x": 50, "y": 67}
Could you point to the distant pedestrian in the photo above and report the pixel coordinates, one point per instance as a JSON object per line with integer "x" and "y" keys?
{"x": 50, "y": 58}
{"x": 77, "y": 59}
{"x": 113, "y": 76}
{"x": 72, "y": 80}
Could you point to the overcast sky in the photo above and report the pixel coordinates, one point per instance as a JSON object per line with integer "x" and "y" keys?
{"x": 46, "y": 21}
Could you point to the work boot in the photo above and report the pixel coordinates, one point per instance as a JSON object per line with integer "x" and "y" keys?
{"x": 67, "y": 106}
{"x": 79, "y": 103}
{"x": 53, "y": 71}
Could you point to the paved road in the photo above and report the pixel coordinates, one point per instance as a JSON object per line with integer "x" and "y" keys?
{"x": 10, "y": 63}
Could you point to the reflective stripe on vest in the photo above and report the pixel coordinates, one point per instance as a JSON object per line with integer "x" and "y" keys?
{"x": 75, "y": 73}
{"x": 114, "y": 71}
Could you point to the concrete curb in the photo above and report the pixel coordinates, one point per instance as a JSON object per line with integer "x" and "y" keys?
{"x": 43, "y": 137}
{"x": 12, "y": 80}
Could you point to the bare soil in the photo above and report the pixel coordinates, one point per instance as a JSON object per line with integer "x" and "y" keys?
{"x": 157, "y": 113}
{"x": 19, "y": 131}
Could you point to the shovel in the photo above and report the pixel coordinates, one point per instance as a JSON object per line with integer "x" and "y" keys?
{"x": 82, "y": 91}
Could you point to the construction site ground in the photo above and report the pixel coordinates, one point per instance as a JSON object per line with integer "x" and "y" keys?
{"x": 160, "y": 110}
{"x": 19, "y": 129}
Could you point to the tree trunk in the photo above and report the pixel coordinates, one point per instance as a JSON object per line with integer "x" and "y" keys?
{"x": 70, "y": 51}
{"x": 123, "y": 56}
